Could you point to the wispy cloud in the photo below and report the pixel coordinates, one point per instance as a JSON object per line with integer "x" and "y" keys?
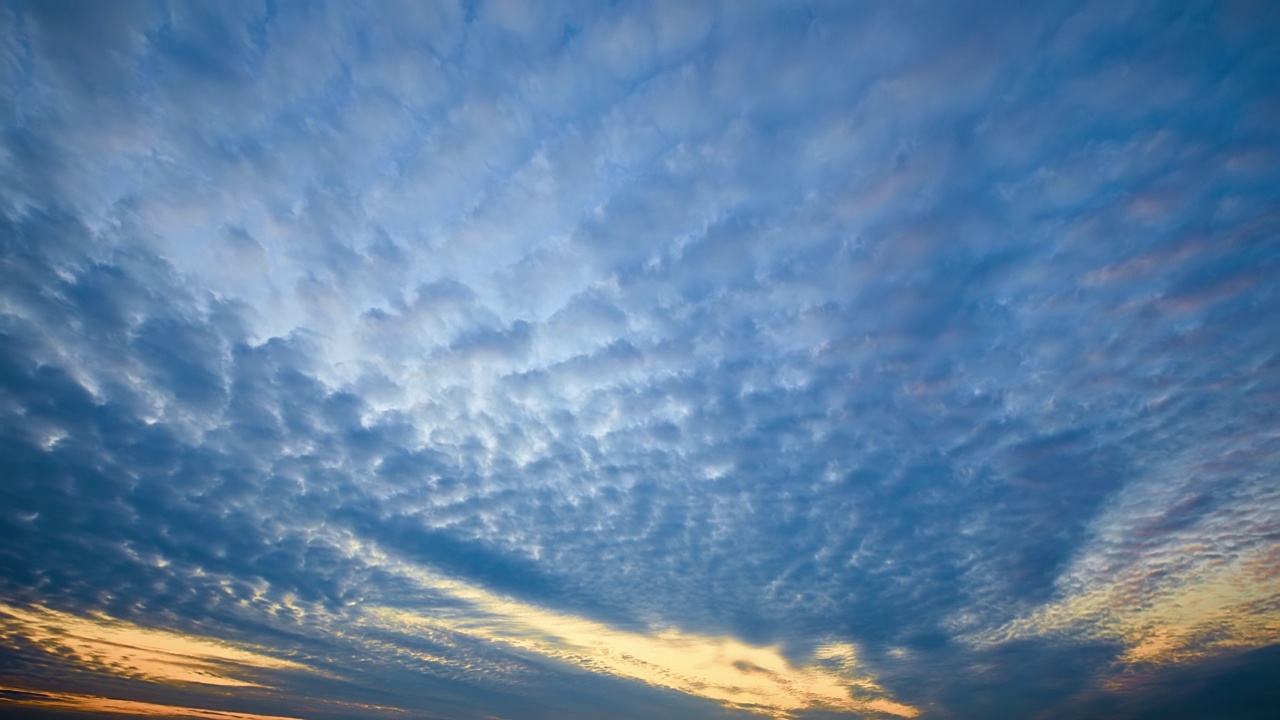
{"x": 723, "y": 669}
{"x": 1175, "y": 585}
{"x": 114, "y": 706}
{"x": 115, "y": 647}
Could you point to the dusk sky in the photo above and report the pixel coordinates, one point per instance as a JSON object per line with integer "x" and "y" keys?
{"x": 629, "y": 361}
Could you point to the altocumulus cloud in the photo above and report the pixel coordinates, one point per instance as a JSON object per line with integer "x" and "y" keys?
{"x": 532, "y": 360}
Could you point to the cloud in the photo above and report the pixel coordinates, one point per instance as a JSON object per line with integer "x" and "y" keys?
{"x": 1191, "y": 589}
{"x": 672, "y": 337}
{"x": 738, "y": 675}
{"x": 113, "y": 706}
{"x": 1232, "y": 683}
{"x": 123, "y": 648}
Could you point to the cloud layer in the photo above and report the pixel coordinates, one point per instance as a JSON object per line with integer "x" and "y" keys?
{"x": 664, "y": 359}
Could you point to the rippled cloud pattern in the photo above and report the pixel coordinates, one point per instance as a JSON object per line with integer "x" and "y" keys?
{"x": 521, "y": 360}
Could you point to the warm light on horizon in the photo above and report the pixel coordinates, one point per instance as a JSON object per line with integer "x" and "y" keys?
{"x": 76, "y": 702}
{"x": 723, "y": 669}
{"x": 1225, "y": 607}
{"x": 117, "y": 647}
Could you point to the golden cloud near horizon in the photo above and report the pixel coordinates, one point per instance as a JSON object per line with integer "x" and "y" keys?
{"x": 723, "y": 669}
{"x": 116, "y": 647}
{"x": 1229, "y": 606}
{"x": 135, "y": 708}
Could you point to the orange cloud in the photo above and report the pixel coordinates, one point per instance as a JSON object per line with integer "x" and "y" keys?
{"x": 723, "y": 669}
{"x": 95, "y": 704}
{"x": 1220, "y": 607}
{"x": 120, "y": 648}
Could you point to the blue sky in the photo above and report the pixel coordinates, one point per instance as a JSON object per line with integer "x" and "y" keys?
{"x": 505, "y": 360}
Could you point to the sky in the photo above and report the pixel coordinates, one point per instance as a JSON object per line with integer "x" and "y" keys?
{"x": 691, "y": 360}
